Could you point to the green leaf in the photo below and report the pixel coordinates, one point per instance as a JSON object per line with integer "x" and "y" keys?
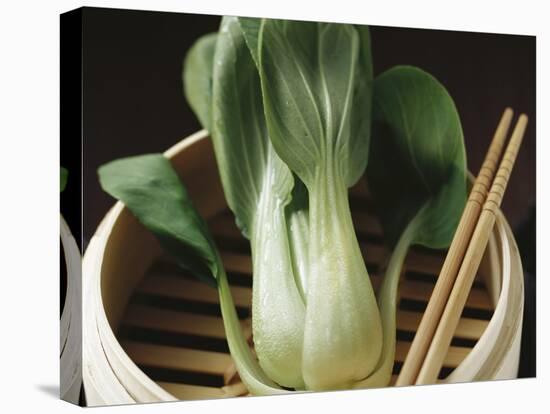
{"x": 362, "y": 105}
{"x": 151, "y": 189}
{"x": 197, "y": 78}
{"x": 365, "y": 54}
{"x": 239, "y": 134}
{"x": 297, "y": 211}
{"x": 312, "y": 82}
{"x": 250, "y": 27}
{"x": 417, "y": 157}
{"x": 64, "y": 177}
{"x": 417, "y": 175}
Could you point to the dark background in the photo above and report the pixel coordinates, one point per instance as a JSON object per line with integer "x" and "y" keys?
{"x": 133, "y": 100}
{"x": 133, "y": 103}
{"x": 70, "y": 118}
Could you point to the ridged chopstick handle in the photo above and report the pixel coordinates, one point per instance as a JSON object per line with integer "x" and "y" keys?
{"x": 457, "y": 249}
{"x": 487, "y": 171}
{"x": 468, "y": 269}
{"x": 501, "y": 180}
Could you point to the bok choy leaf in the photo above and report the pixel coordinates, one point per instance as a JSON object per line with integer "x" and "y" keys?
{"x": 150, "y": 188}
{"x": 258, "y": 188}
{"x": 417, "y": 175}
{"x": 297, "y": 211}
{"x": 152, "y": 191}
{"x": 314, "y": 77}
{"x": 197, "y": 78}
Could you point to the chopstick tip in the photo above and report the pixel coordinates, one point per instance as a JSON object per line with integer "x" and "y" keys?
{"x": 523, "y": 118}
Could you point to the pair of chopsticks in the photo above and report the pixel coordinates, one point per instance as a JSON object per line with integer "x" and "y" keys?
{"x": 437, "y": 327}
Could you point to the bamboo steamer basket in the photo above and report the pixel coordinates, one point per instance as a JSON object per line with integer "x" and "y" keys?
{"x": 152, "y": 333}
{"x": 70, "y": 345}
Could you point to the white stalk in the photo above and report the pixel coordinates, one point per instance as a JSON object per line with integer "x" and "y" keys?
{"x": 278, "y": 310}
{"x": 343, "y": 333}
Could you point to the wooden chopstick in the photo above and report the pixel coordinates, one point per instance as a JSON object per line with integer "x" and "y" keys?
{"x": 463, "y": 284}
{"x": 447, "y": 276}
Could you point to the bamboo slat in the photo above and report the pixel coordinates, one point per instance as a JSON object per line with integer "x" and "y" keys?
{"x": 187, "y": 289}
{"x": 186, "y": 391}
{"x": 186, "y": 323}
{"x": 162, "y": 356}
{"x": 468, "y": 328}
{"x": 452, "y": 359}
{"x": 176, "y": 286}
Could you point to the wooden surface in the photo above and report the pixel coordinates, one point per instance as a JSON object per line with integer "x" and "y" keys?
{"x": 172, "y": 328}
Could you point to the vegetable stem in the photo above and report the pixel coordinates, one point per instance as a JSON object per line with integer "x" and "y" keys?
{"x": 343, "y": 327}
{"x": 252, "y": 375}
{"x": 278, "y": 310}
{"x": 387, "y": 303}
{"x": 298, "y": 230}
